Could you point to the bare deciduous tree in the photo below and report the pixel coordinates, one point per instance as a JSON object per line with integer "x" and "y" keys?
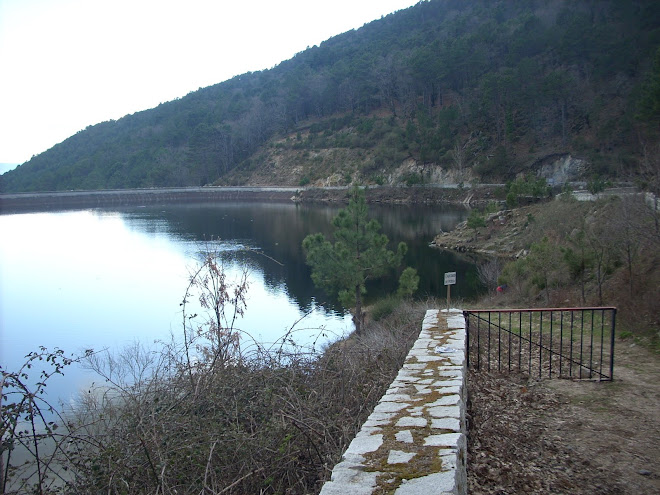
{"x": 31, "y": 427}
{"x": 458, "y": 155}
{"x": 489, "y": 272}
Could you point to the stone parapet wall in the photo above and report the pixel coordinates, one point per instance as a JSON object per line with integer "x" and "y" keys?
{"x": 414, "y": 442}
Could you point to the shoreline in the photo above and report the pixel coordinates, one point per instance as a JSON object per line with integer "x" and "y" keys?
{"x": 437, "y": 194}
{"x": 136, "y": 197}
{"x": 499, "y": 237}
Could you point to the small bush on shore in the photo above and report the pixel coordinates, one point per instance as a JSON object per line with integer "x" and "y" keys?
{"x": 475, "y": 220}
{"x": 384, "y": 307}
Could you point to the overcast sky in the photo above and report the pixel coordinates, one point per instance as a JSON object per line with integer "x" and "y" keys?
{"x": 67, "y": 64}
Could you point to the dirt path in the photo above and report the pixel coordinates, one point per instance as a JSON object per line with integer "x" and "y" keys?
{"x": 561, "y": 436}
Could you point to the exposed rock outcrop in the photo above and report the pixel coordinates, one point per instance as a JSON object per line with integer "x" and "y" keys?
{"x": 500, "y": 237}
{"x": 560, "y": 169}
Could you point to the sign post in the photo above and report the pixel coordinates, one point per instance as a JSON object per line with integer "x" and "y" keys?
{"x": 450, "y": 279}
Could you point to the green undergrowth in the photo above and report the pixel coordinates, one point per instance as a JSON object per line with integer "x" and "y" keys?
{"x": 583, "y": 254}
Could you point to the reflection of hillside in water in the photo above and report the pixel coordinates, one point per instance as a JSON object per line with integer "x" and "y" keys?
{"x": 276, "y": 230}
{"x": 412, "y": 221}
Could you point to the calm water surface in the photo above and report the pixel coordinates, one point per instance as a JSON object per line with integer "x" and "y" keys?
{"x": 104, "y": 278}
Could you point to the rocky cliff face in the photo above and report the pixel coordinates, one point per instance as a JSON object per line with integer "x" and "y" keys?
{"x": 561, "y": 169}
{"x": 281, "y": 164}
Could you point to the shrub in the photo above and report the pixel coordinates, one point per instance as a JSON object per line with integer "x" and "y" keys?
{"x": 384, "y": 307}
{"x": 511, "y": 200}
{"x": 412, "y": 179}
{"x": 475, "y": 220}
{"x": 526, "y": 187}
{"x": 597, "y": 185}
{"x": 408, "y": 282}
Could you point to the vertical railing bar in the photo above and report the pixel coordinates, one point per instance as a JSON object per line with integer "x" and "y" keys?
{"x": 591, "y": 345}
{"x": 478, "y": 343}
{"x": 550, "y": 346}
{"x": 510, "y": 332}
{"x": 602, "y": 342}
{"x": 570, "y": 352}
{"x": 466, "y": 317}
{"x": 520, "y": 340}
{"x": 530, "y": 344}
{"x": 561, "y": 338}
{"x": 489, "y": 341}
{"x": 499, "y": 341}
{"x": 540, "y": 343}
{"x": 612, "y": 345}
{"x": 581, "y": 341}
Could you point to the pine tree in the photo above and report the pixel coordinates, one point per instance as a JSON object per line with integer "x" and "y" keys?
{"x": 359, "y": 253}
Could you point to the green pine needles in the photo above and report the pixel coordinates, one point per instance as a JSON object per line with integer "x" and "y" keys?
{"x": 359, "y": 253}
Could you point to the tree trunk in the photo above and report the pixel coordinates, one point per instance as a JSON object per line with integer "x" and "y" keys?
{"x": 583, "y": 282}
{"x": 599, "y": 279}
{"x": 357, "y": 317}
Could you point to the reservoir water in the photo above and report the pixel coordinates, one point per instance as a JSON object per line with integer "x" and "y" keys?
{"x": 105, "y": 278}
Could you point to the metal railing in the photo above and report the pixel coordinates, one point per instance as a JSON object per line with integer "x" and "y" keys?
{"x": 562, "y": 342}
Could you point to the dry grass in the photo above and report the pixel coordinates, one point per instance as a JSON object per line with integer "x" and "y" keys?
{"x": 261, "y": 423}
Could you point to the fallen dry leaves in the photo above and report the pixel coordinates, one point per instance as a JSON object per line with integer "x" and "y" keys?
{"x": 566, "y": 437}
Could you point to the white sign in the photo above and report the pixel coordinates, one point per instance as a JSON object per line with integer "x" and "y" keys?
{"x": 450, "y": 278}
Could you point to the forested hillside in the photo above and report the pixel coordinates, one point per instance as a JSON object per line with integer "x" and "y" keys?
{"x": 486, "y": 89}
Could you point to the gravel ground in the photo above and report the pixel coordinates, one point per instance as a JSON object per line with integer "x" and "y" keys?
{"x": 567, "y": 437}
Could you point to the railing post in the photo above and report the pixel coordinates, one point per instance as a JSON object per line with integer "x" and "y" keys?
{"x": 561, "y": 339}
{"x": 550, "y": 340}
{"x": 529, "y": 365}
{"x": 612, "y": 345}
{"x": 520, "y": 341}
{"x": 499, "y": 341}
{"x": 489, "y": 341}
{"x": 510, "y": 332}
{"x": 602, "y": 342}
{"x": 540, "y": 344}
{"x": 466, "y": 316}
{"x": 581, "y": 343}
{"x": 570, "y": 357}
{"x": 478, "y": 343}
{"x": 591, "y": 345}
